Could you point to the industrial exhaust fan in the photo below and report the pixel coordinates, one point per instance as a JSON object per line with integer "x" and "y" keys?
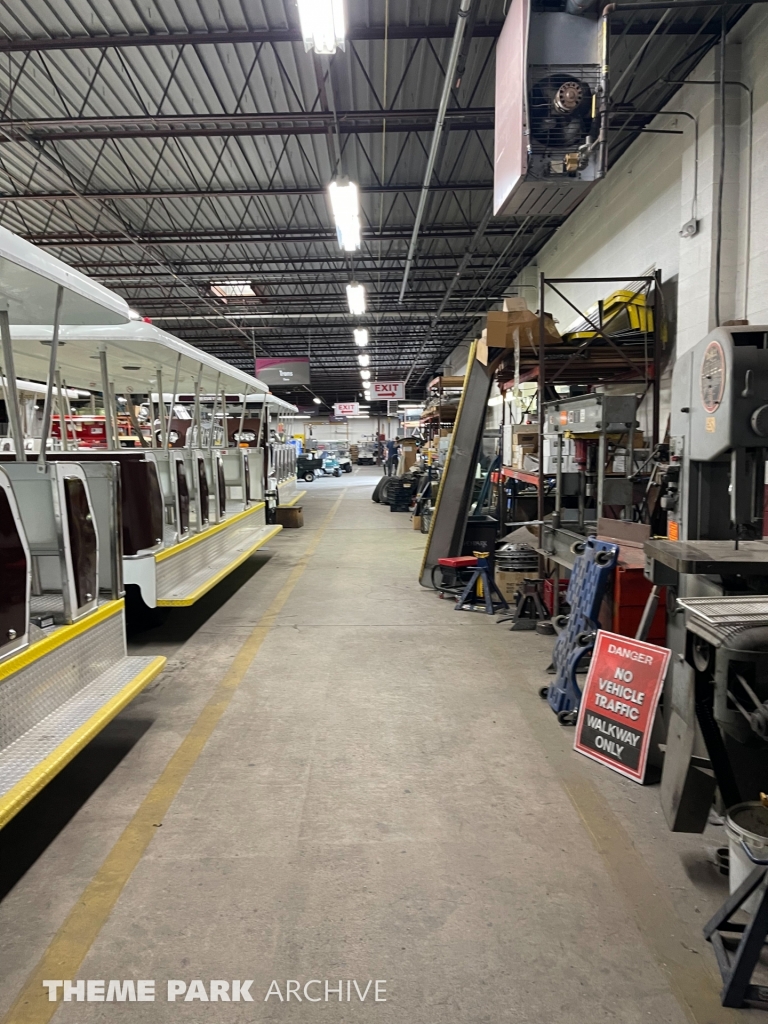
{"x": 549, "y": 148}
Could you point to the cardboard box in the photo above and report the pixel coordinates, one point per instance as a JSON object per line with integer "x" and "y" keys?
{"x": 520, "y": 452}
{"x": 409, "y": 454}
{"x": 416, "y": 520}
{"x": 505, "y": 330}
{"x": 508, "y": 583}
{"x": 290, "y": 517}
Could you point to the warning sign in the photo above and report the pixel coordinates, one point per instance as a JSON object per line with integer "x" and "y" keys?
{"x": 619, "y": 701}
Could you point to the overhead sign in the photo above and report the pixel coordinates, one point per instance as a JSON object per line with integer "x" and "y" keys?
{"x": 619, "y": 702}
{"x": 387, "y": 390}
{"x": 284, "y": 373}
{"x": 346, "y": 409}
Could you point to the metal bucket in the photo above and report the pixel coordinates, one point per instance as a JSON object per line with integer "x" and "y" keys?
{"x": 746, "y": 823}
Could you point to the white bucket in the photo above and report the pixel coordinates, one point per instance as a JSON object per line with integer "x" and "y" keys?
{"x": 747, "y": 822}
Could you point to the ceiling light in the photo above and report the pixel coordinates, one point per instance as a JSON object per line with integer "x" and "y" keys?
{"x": 364, "y": 359}
{"x": 361, "y": 337}
{"x": 322, "y": 25}
{"x": 356, "y": 298}
{"x": 365, "y": 374}
{"x": 317, "y": 401}
{"x": 346, "y": 212}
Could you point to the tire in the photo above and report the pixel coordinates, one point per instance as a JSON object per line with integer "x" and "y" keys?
{"x": 347, "y": 469}
{"x": 337, "y": 472}
{"x": 309, "y": 477}
{"x": 376, "y": 496}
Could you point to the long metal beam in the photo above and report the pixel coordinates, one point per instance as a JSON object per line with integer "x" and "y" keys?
{"x": 235, "y": 193}
{"x": 288, "y": 35}
{"x": 314, "y": 122}
{"x": 141, "y": 279}
{"x": 235, "y": 37}
{"x": 235, "y": 237}
{"x": 293, "y": 265}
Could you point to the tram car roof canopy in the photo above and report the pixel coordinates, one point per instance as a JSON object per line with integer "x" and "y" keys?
{"x": 134, "y": 350}
{"x": 30, "y": 277}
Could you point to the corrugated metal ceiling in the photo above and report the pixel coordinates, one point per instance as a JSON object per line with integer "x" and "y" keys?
{"x": 205, "y": 160}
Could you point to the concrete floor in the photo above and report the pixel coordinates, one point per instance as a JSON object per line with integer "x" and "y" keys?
{"x": 384, "y": 796}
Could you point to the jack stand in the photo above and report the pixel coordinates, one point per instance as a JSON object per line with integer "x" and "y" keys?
{"x": 737, "y": 964}
{"x": 487, "y": 586}
{"x": 529, "y": 607}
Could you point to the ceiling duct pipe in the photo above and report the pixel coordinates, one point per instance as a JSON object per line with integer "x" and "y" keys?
{"x": 450, "y": 72}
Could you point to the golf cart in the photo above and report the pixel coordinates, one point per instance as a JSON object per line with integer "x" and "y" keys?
{"x": 309, "y": 466}
{"x": 366, "y": 455}
{"x": 341, "y": 453}
{"x": 344, "y": 461}
{"x": 330, "y": 464}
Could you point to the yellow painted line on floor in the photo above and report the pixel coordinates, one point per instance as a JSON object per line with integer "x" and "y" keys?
{"x": 70, "y": 945}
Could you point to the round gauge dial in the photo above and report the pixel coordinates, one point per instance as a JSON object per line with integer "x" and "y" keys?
{"x": 713, "y": 376}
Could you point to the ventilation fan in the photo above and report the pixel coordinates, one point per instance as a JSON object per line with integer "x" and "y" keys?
{"x": 560, "y": 111}
{"x": 548, "y": 79}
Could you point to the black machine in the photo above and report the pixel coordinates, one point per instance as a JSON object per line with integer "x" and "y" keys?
{"x": 714, "y": 564}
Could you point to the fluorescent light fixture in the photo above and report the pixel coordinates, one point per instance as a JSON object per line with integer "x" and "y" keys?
{"x": 317, "y": 401}
{"x": 302, "y": 417}
{"x": 365, "y": 374}
{"x": 361, "y": 337}
{"x": 322, "y": 25}
{"x": 133, "y": 315}
{"x": 231, "y": 289}
{"x": 364, "y": 359}
{"x": 356, "y": 298}
{"x": 496, "y": 400}
{"x": 346, "y": 212}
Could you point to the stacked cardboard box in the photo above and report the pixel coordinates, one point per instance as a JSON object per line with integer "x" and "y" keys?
{"x": 523, "y": 442}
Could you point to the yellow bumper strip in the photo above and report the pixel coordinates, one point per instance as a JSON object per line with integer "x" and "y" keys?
{"x": 294, "y": 499}
{"x": 190, "y": 599}
{"x": 61, "y": 636}
{"x": 39, "y": 777}
{"x": 198, "y": 538}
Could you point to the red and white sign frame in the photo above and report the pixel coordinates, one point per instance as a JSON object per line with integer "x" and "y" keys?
{"x": 622, "y": 690}
{"x": 388, "y": 391}
{"x": 346, "y": 409}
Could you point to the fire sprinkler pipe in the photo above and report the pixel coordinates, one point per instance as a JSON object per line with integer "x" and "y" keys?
{"x": 450, "y": 72}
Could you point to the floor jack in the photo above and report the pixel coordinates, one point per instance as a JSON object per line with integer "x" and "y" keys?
{"x": 482, "y": 587}
{"x": 530, "y": 609}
